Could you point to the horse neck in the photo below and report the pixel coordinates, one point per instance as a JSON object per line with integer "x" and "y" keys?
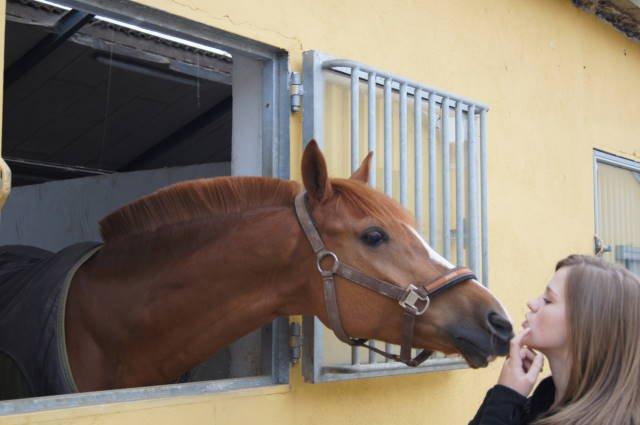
{"x": 168, "y": 303}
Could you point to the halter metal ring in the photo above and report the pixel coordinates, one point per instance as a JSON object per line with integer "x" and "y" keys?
{"x": 409, "y": 299}
{"x": 321, "y": 256}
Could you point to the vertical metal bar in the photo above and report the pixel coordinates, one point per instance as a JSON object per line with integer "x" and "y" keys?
{"x": 472, "y": 190}
{"x": 404, "y": 181}
{"x": 372, "y": 134}
{"x": 388, "y": 348}
{"x": 355, "y": 118}
{"x": 484, "y": 216}
{"x": 312, "y": 126}
{"x": 280, "y": 361}
{"x": 372, "y": 355}
{"x": 596, "y": 195}
{"x": 446, "y": 183}
{"x": 459, "y": 186}
{"x": 432, "y": 169}
{"x": 313, "y": 100}
{"x": 355, "y": 151}
{"x": 417, "y": 135}
{"x": 388, "y": 138}
{"x": 388, "y": 152}
{"x": 372, "y": 148}
{"x": 404, "y": 176}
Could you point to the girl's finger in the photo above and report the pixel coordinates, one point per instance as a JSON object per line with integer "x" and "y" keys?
{"x": 528, "y": 354}
{"x": 536, "y": 366}
{"x": 516, "y": 344}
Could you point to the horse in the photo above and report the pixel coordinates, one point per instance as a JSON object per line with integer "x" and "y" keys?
{"x": 187, "y": 270}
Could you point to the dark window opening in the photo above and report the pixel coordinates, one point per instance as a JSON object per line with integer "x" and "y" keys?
{"x": 84, "y": 96}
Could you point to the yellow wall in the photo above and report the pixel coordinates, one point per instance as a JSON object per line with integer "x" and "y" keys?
{"x": 559, "y": 83}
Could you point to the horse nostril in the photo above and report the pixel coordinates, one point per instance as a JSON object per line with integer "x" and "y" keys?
{"x": 500, "y": 326}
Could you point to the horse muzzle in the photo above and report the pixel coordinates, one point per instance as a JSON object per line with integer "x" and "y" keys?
{"x": 480, "y": 345}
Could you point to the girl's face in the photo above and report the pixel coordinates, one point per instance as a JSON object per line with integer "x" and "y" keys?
{"x": 547, "y": 317}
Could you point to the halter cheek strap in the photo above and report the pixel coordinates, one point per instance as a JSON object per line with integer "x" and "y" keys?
{"x": 414, "y": 299}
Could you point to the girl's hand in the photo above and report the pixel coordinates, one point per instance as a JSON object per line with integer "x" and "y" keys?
{"x": 528, "y": 356}
{"x": 521, "y": 369}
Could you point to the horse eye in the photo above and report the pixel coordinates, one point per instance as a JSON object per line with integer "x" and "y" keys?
{"x": 374, "y": 236}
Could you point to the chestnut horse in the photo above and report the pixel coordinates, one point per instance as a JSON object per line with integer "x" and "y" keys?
{"x": 193, "y": 267}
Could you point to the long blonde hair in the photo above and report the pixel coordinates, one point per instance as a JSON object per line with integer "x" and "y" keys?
{"x": 603, "y": 314}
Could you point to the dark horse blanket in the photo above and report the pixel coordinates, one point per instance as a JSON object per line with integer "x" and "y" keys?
{"x": 34, "y": 284}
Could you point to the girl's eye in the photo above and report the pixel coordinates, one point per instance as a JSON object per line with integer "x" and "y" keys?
{"x": 374, "y": 236}
{"x": 546, "y": 301}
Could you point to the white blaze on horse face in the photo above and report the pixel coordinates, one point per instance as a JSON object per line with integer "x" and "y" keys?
{"x": 434, "y": 256}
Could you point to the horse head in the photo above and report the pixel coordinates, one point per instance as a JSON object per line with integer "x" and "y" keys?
{"x": 374, "y": 236}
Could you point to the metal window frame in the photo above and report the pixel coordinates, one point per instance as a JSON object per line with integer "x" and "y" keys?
{"x": 275, "y": 163}
{"x": 314, "y": 64}
{"x": 602, "y": 157}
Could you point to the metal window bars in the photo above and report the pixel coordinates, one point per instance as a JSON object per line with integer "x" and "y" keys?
{"x": 454, "y": 120}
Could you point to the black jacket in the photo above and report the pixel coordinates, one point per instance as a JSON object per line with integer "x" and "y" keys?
{"x": 504, "y": 406}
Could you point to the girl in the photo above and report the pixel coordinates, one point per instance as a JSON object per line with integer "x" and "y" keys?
{"x": 587, "y": 325}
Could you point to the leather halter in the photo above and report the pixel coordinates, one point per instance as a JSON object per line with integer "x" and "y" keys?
{"x": 414, "y": 299}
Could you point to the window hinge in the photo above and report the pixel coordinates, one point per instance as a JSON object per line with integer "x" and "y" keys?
{"x": 295, "y": 342}
{"x": 296, "y": 90}
{"x": 599, "y": 246}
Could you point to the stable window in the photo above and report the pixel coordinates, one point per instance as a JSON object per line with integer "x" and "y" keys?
{"x": 105, "y": 102}
{"x": 617, "y": 208}
{"x": 430, "y": 154}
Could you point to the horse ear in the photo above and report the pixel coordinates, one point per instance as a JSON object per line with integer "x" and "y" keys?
{"x": 314, "y": 173}
{"x": 362, "y": 173}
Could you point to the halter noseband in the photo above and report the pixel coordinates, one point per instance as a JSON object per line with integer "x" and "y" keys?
{"x": 414, "y": 299}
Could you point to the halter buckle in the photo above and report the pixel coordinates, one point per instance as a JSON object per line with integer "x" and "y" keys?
{"x": 411, "y": 297}
{"x": 334, "y": 267}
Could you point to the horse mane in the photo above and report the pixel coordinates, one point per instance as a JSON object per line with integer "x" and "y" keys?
{"x": 196, "y": 199}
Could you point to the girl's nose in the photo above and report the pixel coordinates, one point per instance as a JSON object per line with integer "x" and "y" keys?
{"x": 532, "y": 305}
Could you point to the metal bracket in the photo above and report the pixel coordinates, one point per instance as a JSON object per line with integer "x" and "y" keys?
{"x": 295, "y": 342}
{"x": 296, "y": 90}
{"x": 599, "y": 246}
